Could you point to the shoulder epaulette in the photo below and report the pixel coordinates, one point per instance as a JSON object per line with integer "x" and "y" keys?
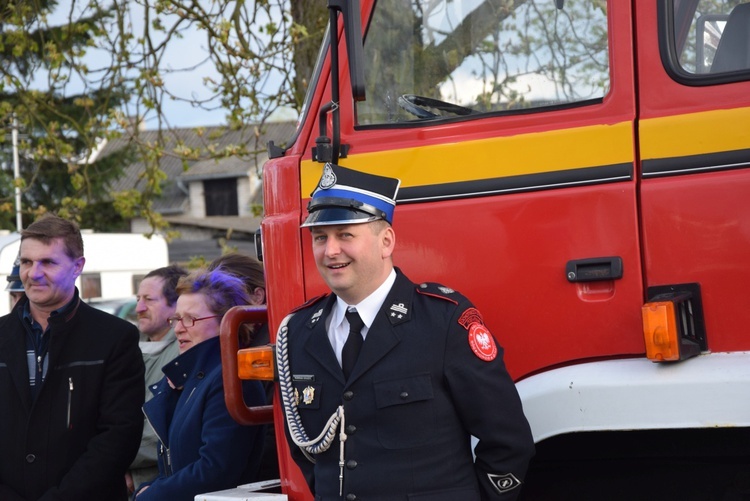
{"x": 309, "y": 302}
{"x": 439, "y": 291}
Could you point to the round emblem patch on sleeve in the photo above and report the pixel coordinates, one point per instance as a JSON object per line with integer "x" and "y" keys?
{"x": 482, "y": 343}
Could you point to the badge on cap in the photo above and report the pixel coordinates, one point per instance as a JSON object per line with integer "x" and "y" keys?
{"x": 347, "y": 196}
{"x": 328, "y": 179}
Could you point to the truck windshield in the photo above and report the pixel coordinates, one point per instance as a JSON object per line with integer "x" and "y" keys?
{"x": 427, "y": 59}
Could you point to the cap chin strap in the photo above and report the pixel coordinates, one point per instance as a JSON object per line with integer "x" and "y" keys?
{"x": 322, "y": 442}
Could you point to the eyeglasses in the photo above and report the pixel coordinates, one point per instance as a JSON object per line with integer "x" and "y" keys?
{"x": 187, "y": 322}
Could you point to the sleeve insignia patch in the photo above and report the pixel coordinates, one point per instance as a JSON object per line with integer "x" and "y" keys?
{"x": 481, "y": 342}
{"x": 469, "y": 317}
{"x": 503, "y": 483}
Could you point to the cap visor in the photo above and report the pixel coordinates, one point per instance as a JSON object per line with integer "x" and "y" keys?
{"x": 337, "y": 215}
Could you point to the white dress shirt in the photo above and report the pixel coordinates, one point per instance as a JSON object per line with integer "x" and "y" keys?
{"x": 338, "y": 325}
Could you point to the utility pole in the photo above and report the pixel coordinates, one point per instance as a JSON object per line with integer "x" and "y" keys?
{"x": 17, "y": 176}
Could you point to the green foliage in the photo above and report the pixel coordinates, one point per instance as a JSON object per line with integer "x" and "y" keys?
{"x": 59, "y": 127}
{"x": 73, "y": 73}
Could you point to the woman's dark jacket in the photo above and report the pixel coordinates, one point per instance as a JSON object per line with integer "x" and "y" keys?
{"x": 202, "y": 448}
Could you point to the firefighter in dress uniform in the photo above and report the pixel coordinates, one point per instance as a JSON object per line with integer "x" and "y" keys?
{"x": 384, "y": 382}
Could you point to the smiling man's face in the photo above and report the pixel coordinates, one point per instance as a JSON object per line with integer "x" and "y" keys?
{"x": 48, "y": 273}
{"x": 353, "y": 259}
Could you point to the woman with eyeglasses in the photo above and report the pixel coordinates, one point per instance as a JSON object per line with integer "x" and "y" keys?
{"x": 201, "y": 448}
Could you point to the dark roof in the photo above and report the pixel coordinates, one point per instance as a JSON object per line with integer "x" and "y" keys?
{"x": 243, "y": 224}
{"x": 182, "y": 251}
{"x": 174, "y": 198}
{"x": 216, "y": 169}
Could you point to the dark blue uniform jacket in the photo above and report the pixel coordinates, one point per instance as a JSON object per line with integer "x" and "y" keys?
{"x": 416, "y": 395}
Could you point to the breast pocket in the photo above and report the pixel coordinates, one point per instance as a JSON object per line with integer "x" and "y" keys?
{"x": 406, "y": 416}
{"x": 307, "y": 395}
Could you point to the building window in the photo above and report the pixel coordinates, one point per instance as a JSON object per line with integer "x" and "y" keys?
{"x": 221, "y": 197}
{"x": 91, "y": 285}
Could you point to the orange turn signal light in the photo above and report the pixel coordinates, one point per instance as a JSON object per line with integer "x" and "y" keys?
{"x": 660, "y": 331}
{"x": 672, "y": 327}
{"x": 257, "y": 363}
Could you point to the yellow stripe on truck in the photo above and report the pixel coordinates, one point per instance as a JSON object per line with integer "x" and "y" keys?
{"x": 695, "y": 134}
{"x": 496, "y": 157}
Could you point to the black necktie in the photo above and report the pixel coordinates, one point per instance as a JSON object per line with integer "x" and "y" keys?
{"x": 353, "y": 343}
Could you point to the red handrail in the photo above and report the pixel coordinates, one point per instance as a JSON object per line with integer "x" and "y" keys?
{"x": 230, "y": 326}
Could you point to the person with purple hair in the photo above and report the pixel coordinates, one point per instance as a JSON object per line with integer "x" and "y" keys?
{"x": 201, "y": 448}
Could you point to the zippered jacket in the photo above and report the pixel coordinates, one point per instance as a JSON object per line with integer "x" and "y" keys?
{"x": 76, "y": 440}
{"x": 201, "y": 449}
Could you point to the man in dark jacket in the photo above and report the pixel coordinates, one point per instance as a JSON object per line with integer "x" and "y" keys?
{"x": 391, "y": 416}
{"x": 71, "y": 380}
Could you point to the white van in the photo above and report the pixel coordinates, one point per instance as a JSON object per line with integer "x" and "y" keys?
{"x": 115, "y": 264}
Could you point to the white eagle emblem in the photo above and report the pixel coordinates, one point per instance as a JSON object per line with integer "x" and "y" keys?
{"x": 483, "y": 339}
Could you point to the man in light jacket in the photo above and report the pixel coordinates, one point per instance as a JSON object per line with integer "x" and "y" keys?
{"x": 157, "y": 300}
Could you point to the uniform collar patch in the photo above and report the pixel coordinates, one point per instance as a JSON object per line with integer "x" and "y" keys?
{"x": 398, "y": 312}
{"x": 315, "y": 318}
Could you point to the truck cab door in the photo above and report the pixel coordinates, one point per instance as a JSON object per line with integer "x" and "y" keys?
{"x": 512, "y": 131}
{"x": 694, "y": 137}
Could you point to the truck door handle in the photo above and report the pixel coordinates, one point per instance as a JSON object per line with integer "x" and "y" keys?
{"x": 593, "y": 269}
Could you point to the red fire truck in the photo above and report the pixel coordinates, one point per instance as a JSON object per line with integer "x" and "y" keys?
{"x": 581, "y": 170}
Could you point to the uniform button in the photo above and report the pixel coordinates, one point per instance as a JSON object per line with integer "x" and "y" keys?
{"x": 30, "y": 458}
{"x": 200, "y": 375}
{"x": 404, "y": 395}
{"x": 351, "y": 464}
{"x": 348, "y": 395}
{"x": 351, "y": 429}
{"x": 351, "y": 497}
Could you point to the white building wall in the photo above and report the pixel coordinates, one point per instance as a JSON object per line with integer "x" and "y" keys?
{"x": 244, "y": 194}
{"x": 197, "y": 199}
